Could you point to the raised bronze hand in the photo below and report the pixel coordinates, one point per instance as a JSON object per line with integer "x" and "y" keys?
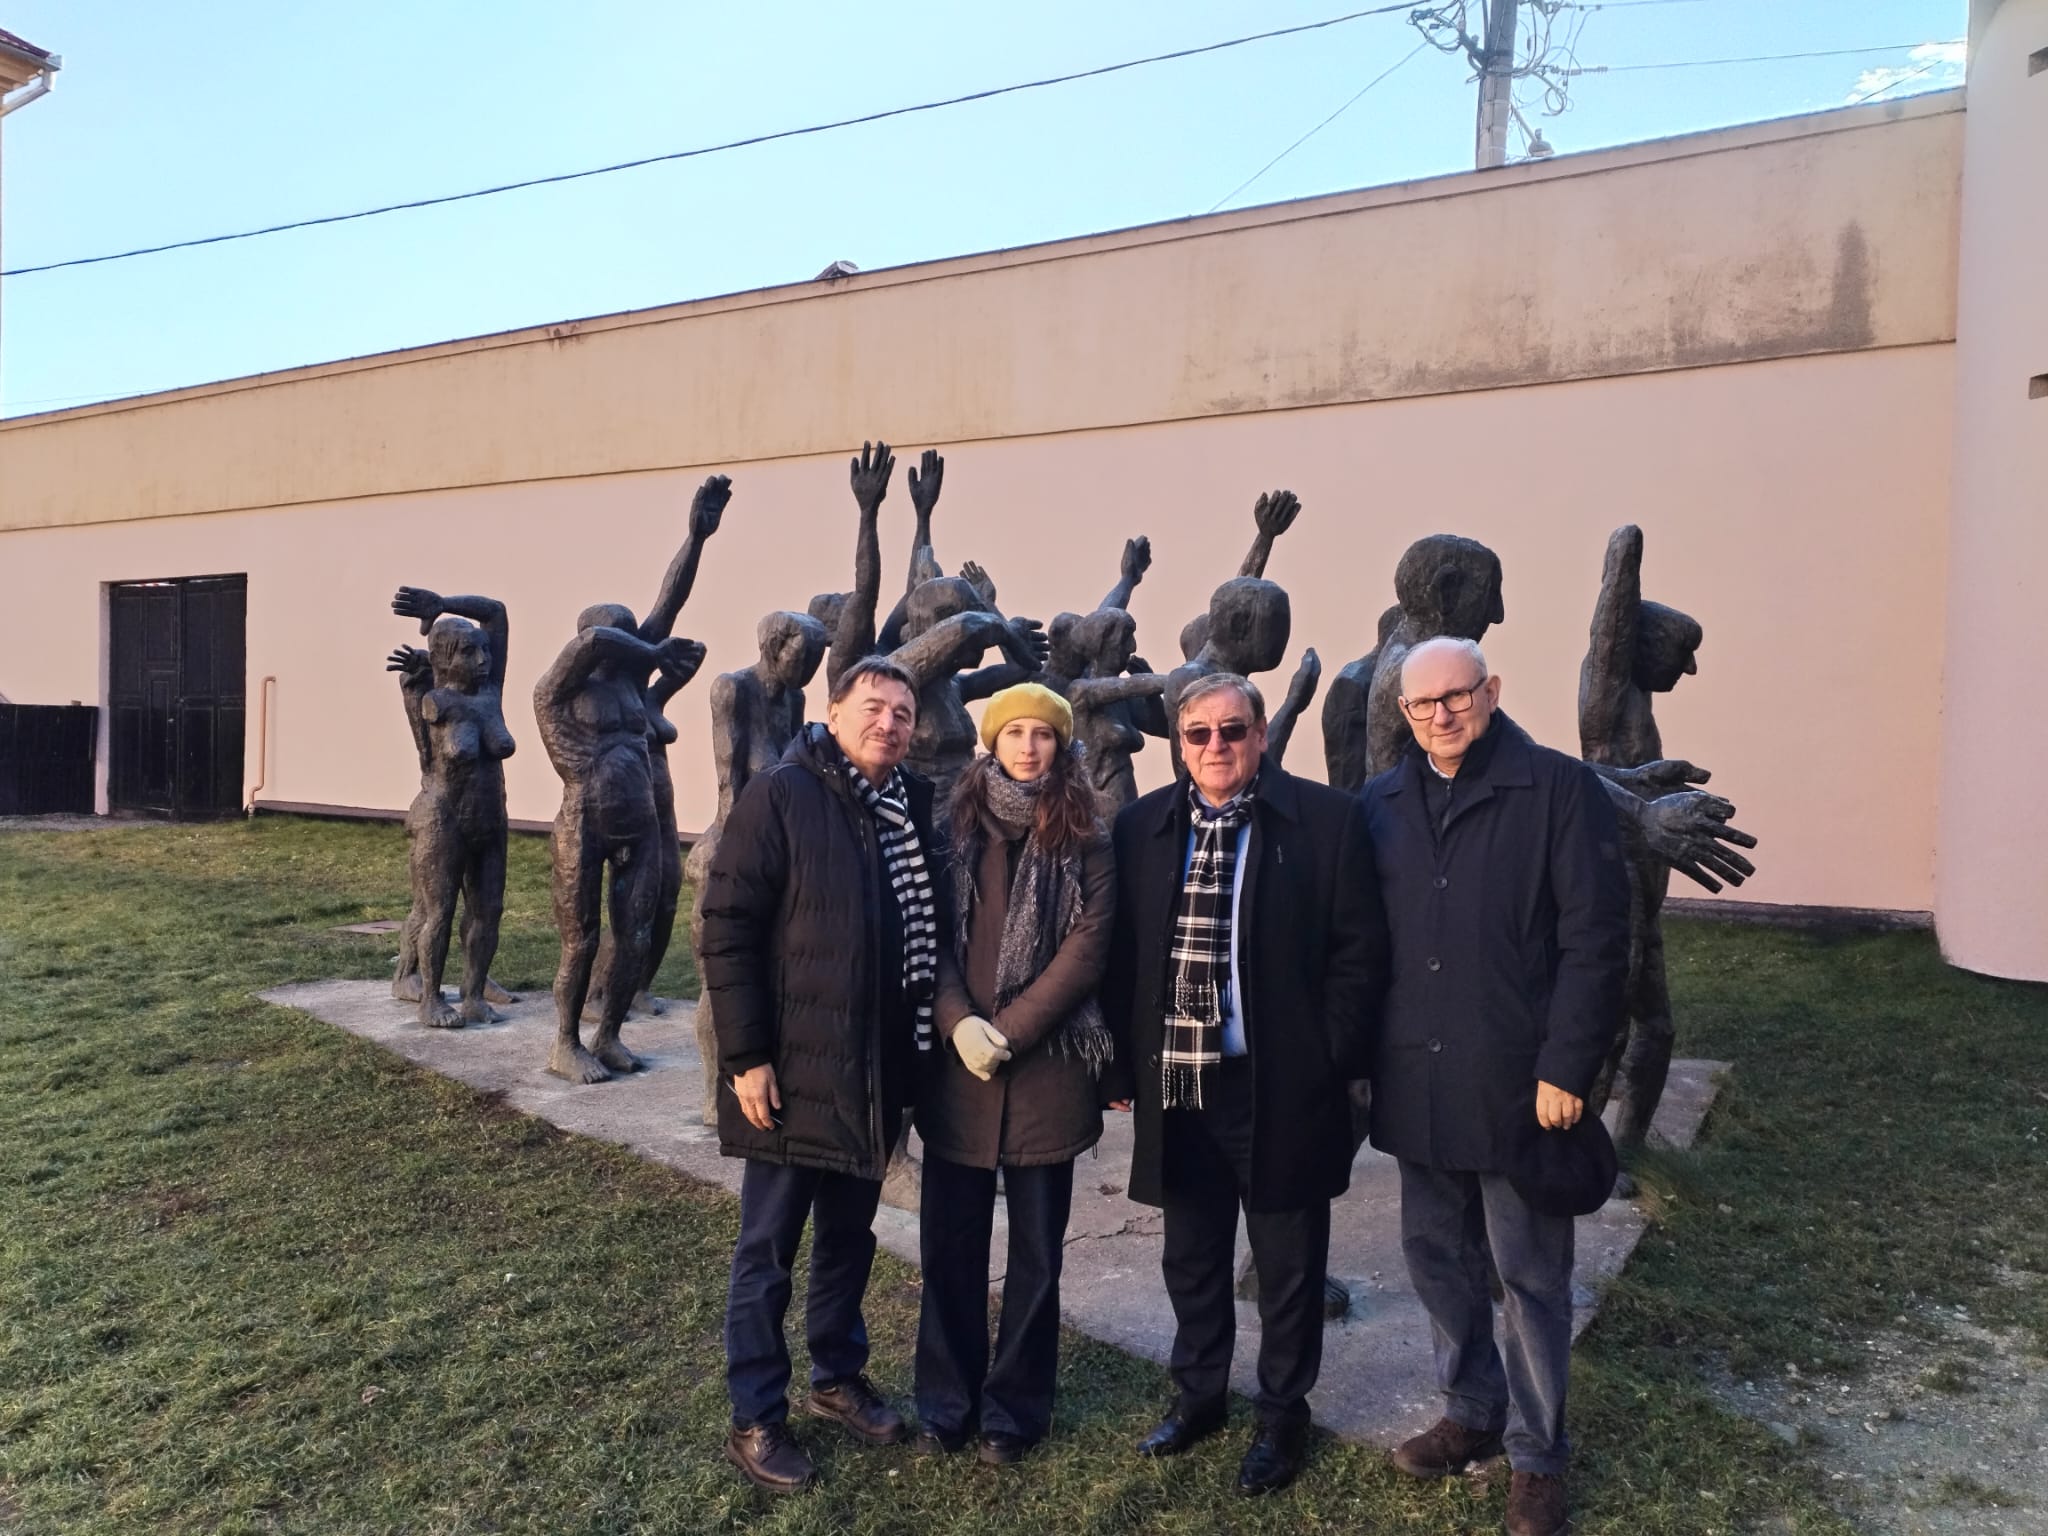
{"x": 924, "y": 488}
{"x": 1275, "y": 512}
{"x": 870, "y": 475}
{"x": 410, "y": 660}
{"x": 1137, "y": 559}
{"x": 984, "y": 585}
{"x": 707, "y": 507}
{"x": 417, "y": 603}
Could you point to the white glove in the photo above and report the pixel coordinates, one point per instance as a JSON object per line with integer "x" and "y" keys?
{"x": 981, "y": 1045}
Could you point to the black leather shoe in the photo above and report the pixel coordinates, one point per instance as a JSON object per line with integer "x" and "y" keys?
{"x": 1179, "y": 1431}
{"x": 1275, "y": 1458}
{"x": 770, "y": 1457}
{"x": 856, "y": 1404}
{"x": 1000, "y": 1450}
{"x": 931, "y": 1442}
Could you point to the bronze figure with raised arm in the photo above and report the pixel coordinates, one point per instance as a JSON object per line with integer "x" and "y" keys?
{"x": 707, "y": 510}
{"x": 454, "y": 702}
{"x": 1115, "y": 695}
{"x": 592, "y": 707}
{"x": 1246, "y": 629}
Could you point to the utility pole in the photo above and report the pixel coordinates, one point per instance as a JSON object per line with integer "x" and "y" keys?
{"x": 1496, "y": 83}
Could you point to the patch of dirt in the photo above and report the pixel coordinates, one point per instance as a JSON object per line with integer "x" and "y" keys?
{"x": 166, "y": 1207}
{"x": 1945, "y": 1436}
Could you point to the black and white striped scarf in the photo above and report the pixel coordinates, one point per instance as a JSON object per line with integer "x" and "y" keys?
{"x": 910, "y": 878}
{"x": 1200, "y": 959}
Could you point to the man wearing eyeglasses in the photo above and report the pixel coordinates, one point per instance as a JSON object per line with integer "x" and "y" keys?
{"x": 1249, "y": 952}
{"x": 1500, "y": 867}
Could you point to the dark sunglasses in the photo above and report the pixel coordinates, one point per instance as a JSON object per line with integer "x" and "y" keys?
{"x": 1232, "y": 732}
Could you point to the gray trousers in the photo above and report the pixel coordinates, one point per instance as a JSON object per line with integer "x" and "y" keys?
{"x": 1450, "y": 1223}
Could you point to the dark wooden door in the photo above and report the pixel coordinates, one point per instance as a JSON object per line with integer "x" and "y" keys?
{"x": 176, "y": 696}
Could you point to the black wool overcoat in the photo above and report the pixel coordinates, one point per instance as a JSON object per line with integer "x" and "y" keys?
{"x": 792, "y": 947}
{"x": 1510, "y": 944}
{"x": 1311, "y": 945}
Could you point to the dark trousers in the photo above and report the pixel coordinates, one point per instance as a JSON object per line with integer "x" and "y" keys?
{"x": 775, "y": 1202}
{"x": 1207, "y": 1164}
{"x": 957, "y": 1382}
{"x": 1449, "y": 1224}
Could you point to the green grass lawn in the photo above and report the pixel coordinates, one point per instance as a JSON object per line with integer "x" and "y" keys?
{"x": 256, "y": 1275}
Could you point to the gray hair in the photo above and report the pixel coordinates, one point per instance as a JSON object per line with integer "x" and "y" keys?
{"x": 1216, "y": 682}
{"x": 1458, "y": 645}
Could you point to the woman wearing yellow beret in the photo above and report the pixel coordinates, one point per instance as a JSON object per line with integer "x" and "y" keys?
{"x": 1017, "y": 1086}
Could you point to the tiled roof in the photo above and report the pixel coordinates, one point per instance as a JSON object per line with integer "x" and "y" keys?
{"x": 22, "y": 45}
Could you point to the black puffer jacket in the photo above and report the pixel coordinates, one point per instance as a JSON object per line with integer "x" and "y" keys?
{"x": 797, "y": 914}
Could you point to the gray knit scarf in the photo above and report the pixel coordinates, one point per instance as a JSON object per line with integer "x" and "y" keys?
{"x": 1045, "y": 904}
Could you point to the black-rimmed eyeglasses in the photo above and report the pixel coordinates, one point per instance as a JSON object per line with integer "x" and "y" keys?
{"x": 1457, "y": 701}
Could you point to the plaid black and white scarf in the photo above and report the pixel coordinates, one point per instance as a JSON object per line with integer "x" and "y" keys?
{"x": 910, "y": 878}
{"x": 1200, "y": 959}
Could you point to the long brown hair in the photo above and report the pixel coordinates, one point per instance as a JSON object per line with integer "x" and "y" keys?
{"x": 1068, "y": 815}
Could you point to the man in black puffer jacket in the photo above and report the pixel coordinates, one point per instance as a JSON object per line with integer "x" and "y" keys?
{"x": 822, "y": 926}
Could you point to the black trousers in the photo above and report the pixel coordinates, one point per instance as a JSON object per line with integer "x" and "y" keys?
{"x": 958, "y": 1384}
{"x": 1207, "y": 1165}
{"x": 775, "y": 1204}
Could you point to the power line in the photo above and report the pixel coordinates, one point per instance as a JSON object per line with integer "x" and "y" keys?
{"x": 714, "y": 149}
{"x": 1901, "y": 80}
{"x": 1319, "y": 127}
{"x": 1757, "y": 58}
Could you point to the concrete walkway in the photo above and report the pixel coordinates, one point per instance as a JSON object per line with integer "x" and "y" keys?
{"x": 1376, "y": 1381}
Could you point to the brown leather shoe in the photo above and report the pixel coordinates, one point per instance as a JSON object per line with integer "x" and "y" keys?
{"x": 1445, "y": 1449}
{"x": 856, "y": 1404}
{"x": 770, "y": 1457}
{"x": 1536, "y": 1505}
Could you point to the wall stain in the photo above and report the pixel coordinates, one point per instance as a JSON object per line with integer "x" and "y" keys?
{"x": 1773, "y": 307}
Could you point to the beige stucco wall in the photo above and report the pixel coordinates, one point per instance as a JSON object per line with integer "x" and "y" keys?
{"x": 1993, "y": 872}
{"x": 1810, "y": 235}
{"x": 1794, "y": 507}
{"x": 1741, "y": 341}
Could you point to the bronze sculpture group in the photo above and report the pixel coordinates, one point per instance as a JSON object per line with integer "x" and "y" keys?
{"x": 618, "y": 869}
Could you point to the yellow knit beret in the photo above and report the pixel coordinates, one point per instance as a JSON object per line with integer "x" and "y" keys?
{"x": 1026, "y": 701}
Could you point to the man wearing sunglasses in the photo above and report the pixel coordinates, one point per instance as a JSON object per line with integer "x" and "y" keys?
{"x": 1249, "y": 952}
{"x": 1499, "y": 863}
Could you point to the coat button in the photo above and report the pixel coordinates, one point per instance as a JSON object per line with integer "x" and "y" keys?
{"x": 1436, "y": 1045}
{"x": 1155, "y": 1058}
{"x": 1435, "y": 964}
{"x": 1441, "y": 882}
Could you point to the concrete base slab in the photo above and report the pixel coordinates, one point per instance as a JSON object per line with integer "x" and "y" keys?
{"x": 1377, "y": 1384}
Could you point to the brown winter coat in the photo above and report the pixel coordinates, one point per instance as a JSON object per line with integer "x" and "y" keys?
{"x": 1042, "y": 1106}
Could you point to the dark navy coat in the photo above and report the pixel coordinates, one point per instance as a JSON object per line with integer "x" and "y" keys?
{"x": 1510, "y": 944}
{"x": 1311, "y": 959}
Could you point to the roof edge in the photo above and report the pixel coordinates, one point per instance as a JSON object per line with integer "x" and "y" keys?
{"x": 1322, "y": 205}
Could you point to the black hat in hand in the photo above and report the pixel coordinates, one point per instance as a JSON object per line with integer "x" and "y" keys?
{"x": 1560, "y": 1173}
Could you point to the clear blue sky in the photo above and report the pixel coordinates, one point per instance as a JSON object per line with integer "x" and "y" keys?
{"x": 170, "y": 122}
